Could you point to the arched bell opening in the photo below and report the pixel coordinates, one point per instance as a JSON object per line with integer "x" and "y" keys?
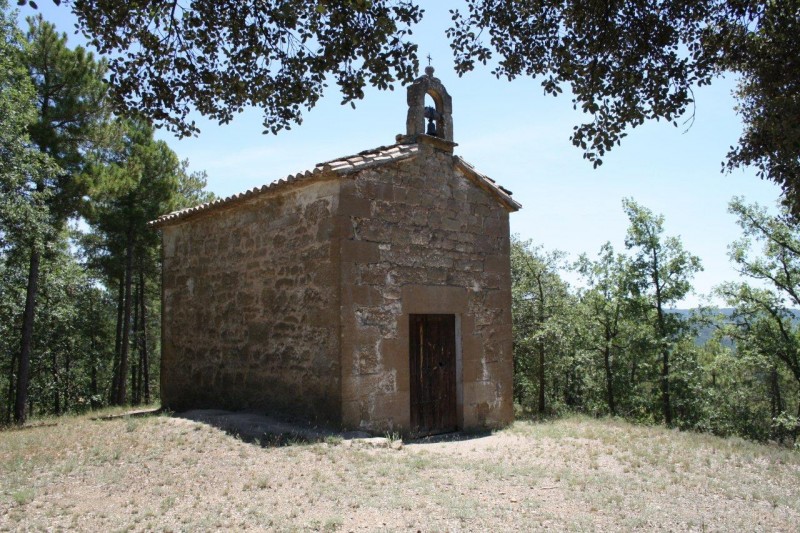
{"x": 434, "y": 114}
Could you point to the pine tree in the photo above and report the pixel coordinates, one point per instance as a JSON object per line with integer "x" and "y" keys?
{"x": 70, "y": 111}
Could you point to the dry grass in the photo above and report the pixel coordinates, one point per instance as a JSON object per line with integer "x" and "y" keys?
{"x": 163, "y": 473}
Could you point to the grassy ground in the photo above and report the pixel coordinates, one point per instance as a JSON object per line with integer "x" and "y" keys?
{"x": 163, "y": 473}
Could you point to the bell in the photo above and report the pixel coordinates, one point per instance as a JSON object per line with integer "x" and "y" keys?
{"x": 431, "y": 128}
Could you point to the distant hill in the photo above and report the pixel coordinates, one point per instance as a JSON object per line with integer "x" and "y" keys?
{"x": 705, "y": 333}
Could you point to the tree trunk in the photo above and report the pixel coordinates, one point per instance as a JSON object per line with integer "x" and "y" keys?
{"x": 540, "y": 344}
{"x": 135, "y": 354}
{"x": 665, "y": 380}
{"x": 776, "y": 402}
{"x": 568, "y": 393}
{"x": 93, "y": 372}
{"x": 541, "y": 379}
{"x": 23, "y": 375}
{"x": 9, "y": 400}
{"x": 144, "y": 355}
{"x": 56, "y": 384}
{"x": 122, "y": 396}
{"x": 67, "y": 382}
{"x": 117, "y": 341}
{"x": 661, "y": 330}
{"x": 797, "y": 425}
{"x": 56, "y": 380}
{"x": 609, "y": 380}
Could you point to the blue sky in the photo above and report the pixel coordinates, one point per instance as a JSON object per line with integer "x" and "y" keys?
{"x": 515, "y": 134}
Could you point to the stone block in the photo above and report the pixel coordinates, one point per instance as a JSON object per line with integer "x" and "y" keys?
{"x": 368, "y": 229}
{"x": 353, "y": 251}
{"x": 377, "y": 274}
{"x": 320, "y": 316}
{"x": 417, "y": 197}
{"x": 498, "y": 264}
{"x": 468, "y": 265}
{"x": 488, "y": 316}
{"x": 342, "y": 228}
{"x": 381, "y": 317}
{"x": 472, "y": 370}
{"x": 433, "y": 299}
{"x": 326, "y": 230}
{"x": 400, "y": 195}
{"x": 491, "y": 281}
{"x": 355, "y": 206}
{"x": 354, "y": 294}
{"x": 451, "y": 224}
{"x": 395, "y": 356}
{"x": 391, "y": 412}
{"x": 493, "y": 225}
{"x": 481, "y": 210}
{"x": 359, "y": 387}
{"x": 351, "y": 414}
{"x": 375, "y": 190}
{"x": 366, "y": 359}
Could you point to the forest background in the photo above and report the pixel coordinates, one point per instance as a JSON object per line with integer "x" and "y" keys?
{"x": 596, "y": 333}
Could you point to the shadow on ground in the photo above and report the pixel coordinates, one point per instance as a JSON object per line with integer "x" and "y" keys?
{"x": 269, "y": 431}
{"x": 456, "y": 436}
{"x": 265, "y": 430}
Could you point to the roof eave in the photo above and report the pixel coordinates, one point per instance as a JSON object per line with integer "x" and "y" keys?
{"x": 488, "y": 184}
{"x": 230, "y": 201}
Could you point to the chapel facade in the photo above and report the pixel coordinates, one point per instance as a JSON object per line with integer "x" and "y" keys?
{"x": 372, "y": 292}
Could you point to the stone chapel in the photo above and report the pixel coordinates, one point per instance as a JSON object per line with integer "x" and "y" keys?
{"x": 372, "y": 292}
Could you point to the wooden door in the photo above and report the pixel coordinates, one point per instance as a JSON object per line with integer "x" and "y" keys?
{"x": 433, "y": 373}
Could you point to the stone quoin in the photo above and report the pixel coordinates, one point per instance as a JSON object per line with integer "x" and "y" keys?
{"x": 372, "y": 292}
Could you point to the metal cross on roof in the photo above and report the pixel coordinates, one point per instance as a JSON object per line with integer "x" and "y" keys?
{"x": 429, "y": 60}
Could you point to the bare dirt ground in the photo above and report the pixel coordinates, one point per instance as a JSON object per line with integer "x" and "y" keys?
{"x": 175, "y": 474}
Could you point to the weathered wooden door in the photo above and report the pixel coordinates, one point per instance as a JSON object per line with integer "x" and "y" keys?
{"x": 433, "y": 373}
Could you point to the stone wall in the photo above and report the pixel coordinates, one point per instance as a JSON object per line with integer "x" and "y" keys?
{"x": 251, "y": 301}
{"x": 418, "y": 236}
